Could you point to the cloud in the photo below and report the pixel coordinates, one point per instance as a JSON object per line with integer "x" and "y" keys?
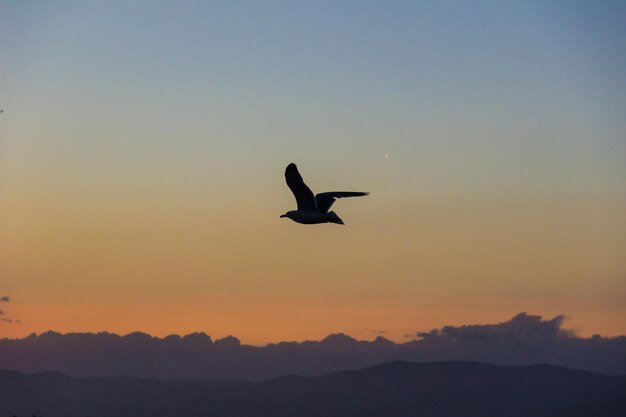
{"x": 522, "y": 326}
{"x": 1, "y": 313}
{"x": 5, "y": 299}
{"x": 6, "y": 320}
{"x": 524, "y": 339}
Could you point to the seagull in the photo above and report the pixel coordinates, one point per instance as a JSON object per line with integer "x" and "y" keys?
{"x": 313, "y": 209}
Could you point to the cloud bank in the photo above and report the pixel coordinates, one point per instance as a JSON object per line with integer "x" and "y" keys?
{"x": 524, "y": 339}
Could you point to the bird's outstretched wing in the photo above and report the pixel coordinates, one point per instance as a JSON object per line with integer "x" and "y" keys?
{"x": 326, "y": 200}
{"x": 304, "y": 195}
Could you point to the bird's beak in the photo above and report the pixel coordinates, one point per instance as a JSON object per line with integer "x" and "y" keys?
{"x": 282, "y": 215}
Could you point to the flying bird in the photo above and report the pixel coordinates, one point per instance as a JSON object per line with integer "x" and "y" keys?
{"x": 313, "y": 209}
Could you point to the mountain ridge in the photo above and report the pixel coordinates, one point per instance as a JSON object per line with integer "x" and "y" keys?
{"x": 399, "y": 388}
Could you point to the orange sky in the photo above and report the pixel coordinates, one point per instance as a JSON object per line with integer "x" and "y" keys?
{"x": 393, "y": 270}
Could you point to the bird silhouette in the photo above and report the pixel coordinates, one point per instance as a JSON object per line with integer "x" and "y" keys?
{"x": 313, "y": 209}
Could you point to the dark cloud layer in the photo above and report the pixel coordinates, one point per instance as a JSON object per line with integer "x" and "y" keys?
{"x": 525, "y": 339}
{"x": 522, "y": 327}
{"x": 5, "y": 299}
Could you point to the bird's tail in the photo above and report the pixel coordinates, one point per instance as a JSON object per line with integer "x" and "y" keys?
{"x": 334, "y": 218}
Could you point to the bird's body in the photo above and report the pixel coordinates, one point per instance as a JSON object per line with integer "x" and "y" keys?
{"x": 311, "y": 217}
{"x": 313, "y": 209}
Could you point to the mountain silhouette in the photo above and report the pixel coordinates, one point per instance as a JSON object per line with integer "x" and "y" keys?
{"x": 393, "y": 389}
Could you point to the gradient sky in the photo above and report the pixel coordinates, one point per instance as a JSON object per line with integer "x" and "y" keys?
{"x": 143, "y": 145}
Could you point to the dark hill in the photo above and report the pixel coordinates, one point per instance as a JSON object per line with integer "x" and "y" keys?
{"x": 393, "y": 389}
